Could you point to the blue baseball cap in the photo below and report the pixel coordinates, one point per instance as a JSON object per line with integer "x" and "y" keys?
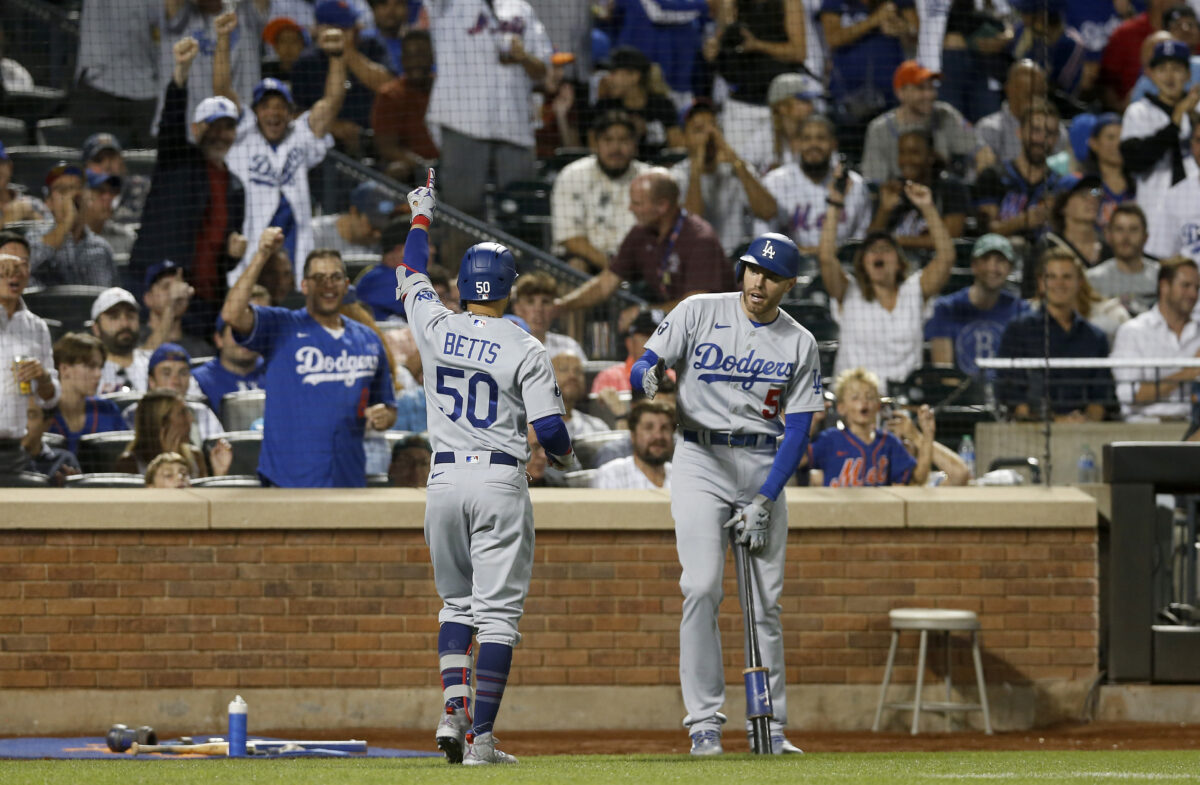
{"x": 3, "y": 152}
{"x": 158, "y": 270}
{"x": 1170, "y": 51}
{"x": 166, "y": 352}
{"x": 98, "y": 179}
{"x": 268, "y": 86}
{"x": 373, "y": 201}
{"x": 335, "y": 13}
{"x": 98, "y": 143}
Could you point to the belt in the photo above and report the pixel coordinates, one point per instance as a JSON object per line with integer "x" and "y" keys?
{"x": 495, "y": 458}
{"x": 726, "y": 439}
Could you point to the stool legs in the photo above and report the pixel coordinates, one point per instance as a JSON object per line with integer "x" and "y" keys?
{"x": 887, "y": 678}
{"x": 983, "y": 700}
{"x": 920, "y": 681}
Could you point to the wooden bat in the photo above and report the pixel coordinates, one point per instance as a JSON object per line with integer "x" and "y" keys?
{"x": 209, "y": 748}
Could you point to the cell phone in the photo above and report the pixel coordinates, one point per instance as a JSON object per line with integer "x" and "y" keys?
{"x": 840, "y": 182}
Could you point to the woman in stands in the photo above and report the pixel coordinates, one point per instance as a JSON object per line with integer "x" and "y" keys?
{"x": 879, "y": 307}
{"x": 163, "y": 424}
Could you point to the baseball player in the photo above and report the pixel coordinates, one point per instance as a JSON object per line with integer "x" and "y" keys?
{"x": 485, "y": 378}
{"x": 747, "y": 373}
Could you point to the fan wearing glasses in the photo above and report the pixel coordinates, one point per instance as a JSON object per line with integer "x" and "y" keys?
{"x": 326, "y": 378}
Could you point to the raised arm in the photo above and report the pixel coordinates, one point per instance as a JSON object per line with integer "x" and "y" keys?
{"x": 594, "y": 292}
{"x": 364, "y": 69}
{"x": 761, "y": 202}
{"x": 832, "y": 274}
{"x": 325, "y": 111}
{"x": 226, "y": 23}
{"x": 937, "y": 272}
{"x": 236, "y": 311}
{"x": 837, "y": 36}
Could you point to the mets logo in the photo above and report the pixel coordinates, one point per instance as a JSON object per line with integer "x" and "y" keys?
{"x": 768, "y": 250}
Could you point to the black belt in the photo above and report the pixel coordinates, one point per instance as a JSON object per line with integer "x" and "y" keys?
{"x": 726, "y": 439}
{"x": 495, "y": 458}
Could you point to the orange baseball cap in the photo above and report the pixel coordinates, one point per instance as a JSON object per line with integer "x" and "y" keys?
{"x": 277, "y": 26}
{"x": 562, "y": 58}
{"x": 910, "y": 72}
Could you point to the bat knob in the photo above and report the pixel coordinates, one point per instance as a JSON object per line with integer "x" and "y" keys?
{"x": 121, "y": 737}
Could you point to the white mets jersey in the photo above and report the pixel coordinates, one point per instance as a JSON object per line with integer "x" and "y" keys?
{"x": 485, "y": 377}
{"x": 733, "y": 374}
{"x": 276, "y": 182}
{"x": 802, "y": 208}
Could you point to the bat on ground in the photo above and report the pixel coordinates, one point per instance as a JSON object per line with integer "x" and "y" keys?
{"x": 758, "y": 691}
{"x": 253, "y": 747}
{"x": 208, "y": 748}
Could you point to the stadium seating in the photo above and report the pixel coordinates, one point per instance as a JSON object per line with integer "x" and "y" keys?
{"x": 240, "y": 409}
{"x": 70, "y": 306}
{"x": 106, "y": 480}
{"x": 12, "y": 132}
{"x": 99, "y": 451}
{"x": 246, "y": 447}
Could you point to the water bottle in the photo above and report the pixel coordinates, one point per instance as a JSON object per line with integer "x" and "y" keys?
{"x": 237, "y": 728}
{"x": 966, "y": 451}
{"x": 1088, "y": 472}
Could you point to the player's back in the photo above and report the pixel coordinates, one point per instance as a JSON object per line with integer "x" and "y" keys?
{"x": 479, "y": 371}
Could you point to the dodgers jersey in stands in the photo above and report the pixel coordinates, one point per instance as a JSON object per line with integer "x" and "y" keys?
{"x": 485, "y": 378}
{"x": 318, "y": 387}
{"x": 740, "y": 375}
{"x": 847, "y": 461}
{"x": 276, "y": 182}
{"x": 216, "y": 381}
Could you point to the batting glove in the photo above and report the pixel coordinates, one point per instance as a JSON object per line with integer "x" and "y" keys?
{"x": 750, "y": 523}
{"x": 565, "y": 463}
{"x": 651, "y": 379}
{"x": 422, "y": 201}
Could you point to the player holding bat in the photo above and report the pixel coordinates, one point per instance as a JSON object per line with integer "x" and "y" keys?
{"x": 746, "y": 373}
{"x": 485, "y": 377}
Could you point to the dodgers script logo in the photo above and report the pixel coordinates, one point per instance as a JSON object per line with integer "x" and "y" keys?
{"x": 263, "y": 173}
{"x": 316, "y": 368}
{"x": 747, "y": 371}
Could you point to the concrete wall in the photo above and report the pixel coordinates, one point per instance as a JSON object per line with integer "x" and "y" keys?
{"x": 319, "y": 607}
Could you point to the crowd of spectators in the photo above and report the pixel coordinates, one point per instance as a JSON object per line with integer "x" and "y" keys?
{"x": 1051, "y": 146}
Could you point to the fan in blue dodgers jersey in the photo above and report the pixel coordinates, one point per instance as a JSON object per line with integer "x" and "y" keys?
{"x": 484, "y": 378}
{"x": 326, "y": 376}
{"x": 741, "y": 364}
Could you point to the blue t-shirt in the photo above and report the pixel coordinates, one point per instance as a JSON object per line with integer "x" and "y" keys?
{"x": 1062, "y": 58}
{"x": 410, "y": 411}
{"x": 216, "y": 381}
{"x": 100, "y": 415}
{"x": 872, "y": 59}
{"x": 672, "y": 45}
{"x": 848, "y": 461}
{"x": 377, "y": 288}
{"x": 975, "y": 332}
{"x": 1095, "y": 20}
{"x": 318, "y": 388}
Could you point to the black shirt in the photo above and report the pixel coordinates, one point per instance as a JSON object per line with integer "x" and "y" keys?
{"x": 1070, "y": 388}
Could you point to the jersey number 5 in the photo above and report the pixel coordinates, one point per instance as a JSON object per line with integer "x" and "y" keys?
{"x": 771, "y": 403}
{"x": 446, "y": 378}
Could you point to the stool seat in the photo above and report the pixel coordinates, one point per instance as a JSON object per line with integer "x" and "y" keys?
{"x": 925, "y": 621}
{"x": 933, "y": 619}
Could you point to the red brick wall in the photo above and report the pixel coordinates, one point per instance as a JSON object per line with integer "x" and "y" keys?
{"x": 350, "y": 608}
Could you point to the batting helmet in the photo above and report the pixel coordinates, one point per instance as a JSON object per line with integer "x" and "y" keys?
{"x": 771, "y": 251}
{"x": 487, "y": 273}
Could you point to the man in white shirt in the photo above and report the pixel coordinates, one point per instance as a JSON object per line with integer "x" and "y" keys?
{"x": 533, "y": 301}
{"x": 1166, "y": 330}
{"x": 589, "y": 205}
{"x": 26, "y": 336}
{"x": 489, "y": 54}
{"x": 1128, "y": 275}
{"x": 568, "y": 373}
{"x": 651, "y": 428}
{"x": 716, "y": 183}
{"x": 800, "y": 189}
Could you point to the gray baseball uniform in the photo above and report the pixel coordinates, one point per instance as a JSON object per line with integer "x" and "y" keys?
{"x": 735, "y": 379}
{"x": 484, "y": 379}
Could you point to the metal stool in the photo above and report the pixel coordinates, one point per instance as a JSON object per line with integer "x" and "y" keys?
{"x": 936, "y": 620}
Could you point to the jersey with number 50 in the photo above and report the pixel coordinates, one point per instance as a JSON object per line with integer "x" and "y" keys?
{"x": 485, "y": 377}
{"x": 733, "y": 374}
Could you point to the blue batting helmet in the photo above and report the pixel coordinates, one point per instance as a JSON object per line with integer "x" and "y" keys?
{"x": 771, "y": 251}
{"x": 487, "y": 273}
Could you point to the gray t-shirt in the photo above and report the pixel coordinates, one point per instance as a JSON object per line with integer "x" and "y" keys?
{"x": 726, "y": 206}
{"x": 735, "y": 375}
{"x": 952, "y": 135}
{"x": 1136, "y": 291}
{"x": 326, "y": 235}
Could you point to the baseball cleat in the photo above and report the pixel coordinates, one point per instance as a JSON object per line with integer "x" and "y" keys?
{"x": 451, "y": 732}
{"x": 707, "y": 742}
{"x": 482, "y": 751}
{"x": 781, "y": 746}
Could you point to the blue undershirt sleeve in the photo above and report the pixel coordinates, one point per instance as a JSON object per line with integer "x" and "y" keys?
{"x": 416, "y": 251}
{"x": 552, "y": 434}
{"x": 643, "y": 364}
{"x": 795, "y": 443}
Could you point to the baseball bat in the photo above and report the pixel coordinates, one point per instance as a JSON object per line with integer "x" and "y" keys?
{"x": 758, "y": 691}
{"x": 208, "y": 748}
{"x": 429, "y": 178}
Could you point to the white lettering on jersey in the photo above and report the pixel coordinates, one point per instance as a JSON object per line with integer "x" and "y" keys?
{"x": 263, "y": 173}
{"x": 316, "y": 367}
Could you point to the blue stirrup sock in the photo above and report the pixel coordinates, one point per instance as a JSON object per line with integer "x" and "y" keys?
{"x": 491, "y": 675}
{"x": 454, "y": 659}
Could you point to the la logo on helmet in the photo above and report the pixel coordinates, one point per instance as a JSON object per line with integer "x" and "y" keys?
{"x": 768, "y": 250}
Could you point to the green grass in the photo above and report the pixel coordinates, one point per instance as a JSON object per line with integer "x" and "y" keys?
{"x": 1043, "y": 768}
